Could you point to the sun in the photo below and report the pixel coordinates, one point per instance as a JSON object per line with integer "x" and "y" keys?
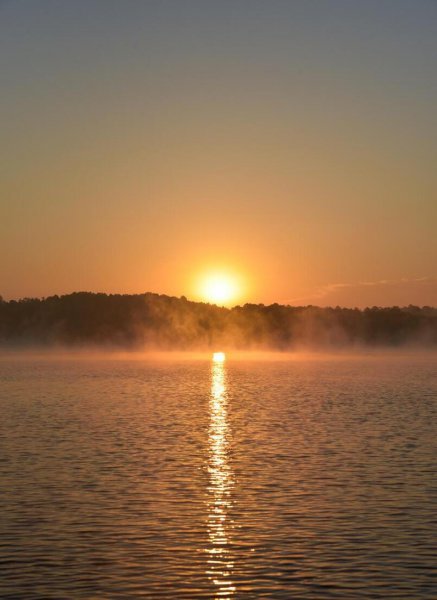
{"x": 219, "y": 288}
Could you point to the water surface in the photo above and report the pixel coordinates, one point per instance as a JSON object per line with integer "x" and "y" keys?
{"x": 239, "y": 479}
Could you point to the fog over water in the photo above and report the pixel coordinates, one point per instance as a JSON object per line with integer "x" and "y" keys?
{"x": 178, "y": 476}
{"x": 159, "y": 322}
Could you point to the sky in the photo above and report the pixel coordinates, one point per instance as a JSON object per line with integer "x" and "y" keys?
{"x": 291, "y": 144}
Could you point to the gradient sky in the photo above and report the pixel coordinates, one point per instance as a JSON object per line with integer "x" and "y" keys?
{"x": 290, "y": 142}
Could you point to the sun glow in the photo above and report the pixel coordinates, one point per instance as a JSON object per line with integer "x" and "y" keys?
{"x": 219, "y": 357}
{"x": 219, "y": 288}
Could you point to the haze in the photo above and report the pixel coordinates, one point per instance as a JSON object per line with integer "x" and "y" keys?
{"x": 290, "y": 143}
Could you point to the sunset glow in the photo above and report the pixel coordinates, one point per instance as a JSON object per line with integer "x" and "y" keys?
{"x": 268, "y": 150}
{"x": 218, "y": 299}
{"x": 219, "y": 288}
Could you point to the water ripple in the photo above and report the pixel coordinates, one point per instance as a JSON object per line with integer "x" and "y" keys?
{"x": 307, "y": 480}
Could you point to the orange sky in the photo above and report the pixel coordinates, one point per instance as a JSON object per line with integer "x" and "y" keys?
{"x": 289, "y": 143}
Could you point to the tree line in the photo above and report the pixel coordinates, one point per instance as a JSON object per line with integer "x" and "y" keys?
{"x": 165, "y": 322}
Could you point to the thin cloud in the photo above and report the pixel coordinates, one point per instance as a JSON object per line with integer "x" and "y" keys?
{"x": 382, "y": 285}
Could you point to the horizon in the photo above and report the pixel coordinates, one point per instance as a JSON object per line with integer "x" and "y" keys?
{"x": 217, "y": 304}
{"x": 162, "y": 322}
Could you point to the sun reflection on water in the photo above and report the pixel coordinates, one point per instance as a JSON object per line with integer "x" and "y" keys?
{"x": 220, "y": 563}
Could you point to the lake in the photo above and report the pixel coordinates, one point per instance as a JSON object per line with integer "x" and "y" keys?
{"x": 273, "y": 477}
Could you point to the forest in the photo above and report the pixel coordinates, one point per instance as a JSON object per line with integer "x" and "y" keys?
{"x": 154, "y": 321}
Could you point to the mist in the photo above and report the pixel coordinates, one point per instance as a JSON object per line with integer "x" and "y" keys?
{"x": 153, "y": 322}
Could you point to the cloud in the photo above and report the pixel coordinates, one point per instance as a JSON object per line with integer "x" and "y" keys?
{"x": 385, "y": 292}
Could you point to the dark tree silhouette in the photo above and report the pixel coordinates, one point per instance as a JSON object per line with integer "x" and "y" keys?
{"x": 165, "y": 322}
